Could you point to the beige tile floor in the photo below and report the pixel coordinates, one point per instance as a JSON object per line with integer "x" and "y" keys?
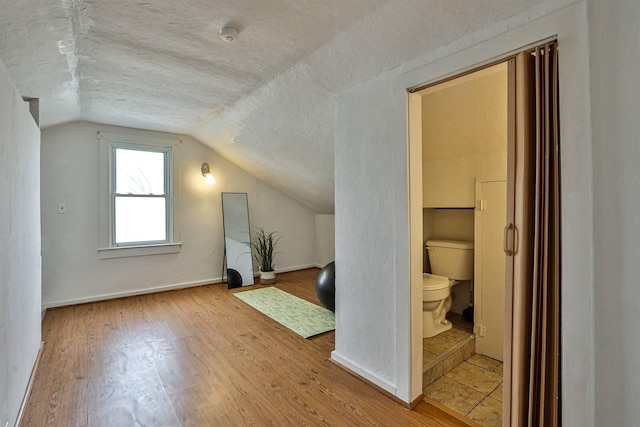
{"x": 473, "y": 388}
{"x": 435, "y": 346}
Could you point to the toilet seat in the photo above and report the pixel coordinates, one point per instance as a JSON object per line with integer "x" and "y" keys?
{"x": 432, "y": 282}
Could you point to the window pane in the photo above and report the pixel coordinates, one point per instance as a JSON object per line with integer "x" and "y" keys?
{"x": 140, "y": 219}
{"x": 139, "y": 172}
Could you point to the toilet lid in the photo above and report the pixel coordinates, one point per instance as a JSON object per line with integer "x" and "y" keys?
{"x": 433, "y": 282}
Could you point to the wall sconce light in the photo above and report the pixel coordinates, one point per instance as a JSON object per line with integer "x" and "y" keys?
{"x": 206, "y": 172}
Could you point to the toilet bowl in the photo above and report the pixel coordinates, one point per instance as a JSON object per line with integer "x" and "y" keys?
{"x": 436, "y": 302}
{"x": 451, "y": 261}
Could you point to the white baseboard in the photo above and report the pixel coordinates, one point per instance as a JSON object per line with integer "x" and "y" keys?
{"x": 143, "y": 291}
{"x": 318, "y": 265}
{"x": 364, "y": 373}
{"x": 296, "y": 268}
{"x": 102, "y": 297}
{"x": 289, "y": 269}
{"x": 27, "y": 393}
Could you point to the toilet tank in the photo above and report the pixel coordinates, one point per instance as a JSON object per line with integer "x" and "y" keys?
{"x": 451, "y": 258}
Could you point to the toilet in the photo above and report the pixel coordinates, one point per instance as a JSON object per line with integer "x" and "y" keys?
{"x": 451, "y": 262}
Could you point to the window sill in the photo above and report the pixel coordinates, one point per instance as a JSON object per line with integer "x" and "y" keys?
{"x": 130, "y": 251}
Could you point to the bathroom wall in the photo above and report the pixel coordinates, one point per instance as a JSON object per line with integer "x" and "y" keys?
{"x": 428, "y": 232}
{"x": 464, "y": 130}
{"x": 450, "y": 224}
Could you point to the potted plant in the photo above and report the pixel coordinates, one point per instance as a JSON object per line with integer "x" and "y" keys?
{"x": 264, "y": 244}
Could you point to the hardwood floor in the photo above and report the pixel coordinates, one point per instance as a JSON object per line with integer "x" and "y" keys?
{"x": 200, "y": 357}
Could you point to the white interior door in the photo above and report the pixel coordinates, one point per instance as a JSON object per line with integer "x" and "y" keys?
{"x": 489, "y": 311}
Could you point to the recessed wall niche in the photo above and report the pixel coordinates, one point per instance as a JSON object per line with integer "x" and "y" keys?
{"x": 450, "y": 224}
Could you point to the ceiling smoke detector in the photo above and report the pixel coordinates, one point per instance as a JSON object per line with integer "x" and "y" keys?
{"x": 229, "y": 34}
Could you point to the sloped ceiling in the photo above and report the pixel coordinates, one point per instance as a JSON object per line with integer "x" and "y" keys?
{"x": 264, "y": 102}
{"x": 161, "y": 65}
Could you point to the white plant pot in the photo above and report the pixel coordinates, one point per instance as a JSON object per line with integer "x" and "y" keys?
{"x": 267, "y": 277}
{"x": 267, "y": 274}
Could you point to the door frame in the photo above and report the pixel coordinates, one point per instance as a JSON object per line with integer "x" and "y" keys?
{"x": 570, "y": 27}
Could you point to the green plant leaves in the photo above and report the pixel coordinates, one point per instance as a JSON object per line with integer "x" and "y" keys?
{"x": 264, "y": 244}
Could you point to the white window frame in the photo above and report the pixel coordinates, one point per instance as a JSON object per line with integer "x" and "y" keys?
{"x": 109, "y": 142}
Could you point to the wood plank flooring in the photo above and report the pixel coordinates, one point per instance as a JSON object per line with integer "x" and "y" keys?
{"x": 200, "y": 357}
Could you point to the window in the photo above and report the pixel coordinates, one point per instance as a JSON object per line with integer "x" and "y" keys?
{"x": 138, "y": 196}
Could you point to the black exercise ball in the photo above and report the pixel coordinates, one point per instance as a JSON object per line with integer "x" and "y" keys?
{"x": 326, "y": 286}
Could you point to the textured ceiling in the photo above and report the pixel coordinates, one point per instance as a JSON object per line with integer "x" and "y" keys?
{"x": 161, "y": 65}
{"x": 265, "y": 103}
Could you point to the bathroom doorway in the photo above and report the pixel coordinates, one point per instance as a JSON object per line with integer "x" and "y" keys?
{"x": 464, "y": 131}
{"x": 450, "y": 180}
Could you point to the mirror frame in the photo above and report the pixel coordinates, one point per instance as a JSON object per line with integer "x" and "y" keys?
{"x": 239, "y": 271}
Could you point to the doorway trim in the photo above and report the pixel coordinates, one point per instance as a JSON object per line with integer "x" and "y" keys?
{"x": 570, "y": 26}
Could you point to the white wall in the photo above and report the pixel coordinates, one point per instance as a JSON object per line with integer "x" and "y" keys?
{"x": 365, "y": 258}
{"x": 325, "y": 239}
{"x": 615, "y": 60}
{"x": 20, "y": 262}
{"x": 376, "y": 337}
{"x": 72, "y": 270}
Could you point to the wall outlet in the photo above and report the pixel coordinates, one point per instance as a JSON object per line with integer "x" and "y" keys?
{"x": 62, "y": 208}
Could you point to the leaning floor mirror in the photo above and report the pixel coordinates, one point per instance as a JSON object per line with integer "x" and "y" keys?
{"x": 237, "y": 240}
